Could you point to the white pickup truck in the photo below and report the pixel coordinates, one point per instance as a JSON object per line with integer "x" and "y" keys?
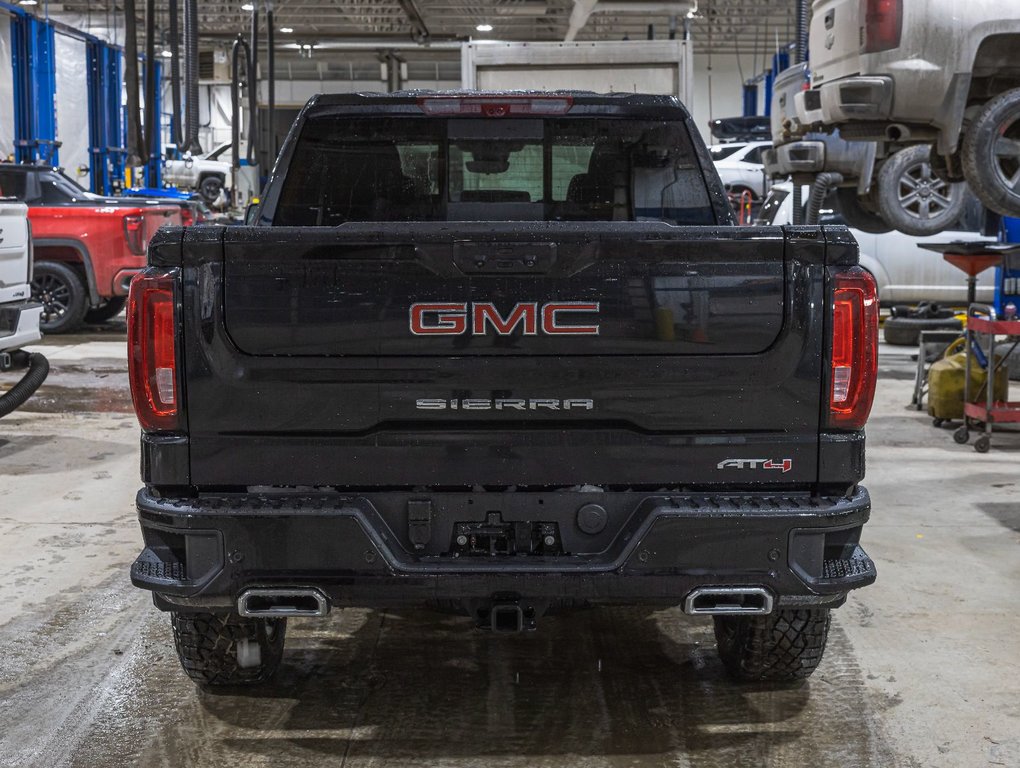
{"x": 903, "y": 272}
{"x": 942, "y": 74}
{"x": 208, "y": 173}
{"x": 19, "y": 315}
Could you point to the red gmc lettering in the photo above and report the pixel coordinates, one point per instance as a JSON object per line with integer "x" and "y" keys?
{"x": 451, "y": 319}
{"x": 526, "y": 313}
{"x": 444, "y": 319}
{"x": 551, "y": 325}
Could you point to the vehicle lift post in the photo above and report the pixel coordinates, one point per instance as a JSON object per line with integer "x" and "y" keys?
{"x": 35, "y": 87}
{"x": 105, "y": 130}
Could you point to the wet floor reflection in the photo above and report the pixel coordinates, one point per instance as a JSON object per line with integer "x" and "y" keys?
{"x": 604, "y": 687}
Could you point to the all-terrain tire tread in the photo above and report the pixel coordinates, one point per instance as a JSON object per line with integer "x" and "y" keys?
{"x": 206, "y": 645}
{"x": 783, "y": 646}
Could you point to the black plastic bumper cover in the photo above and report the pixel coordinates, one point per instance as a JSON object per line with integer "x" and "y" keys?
{"x": 202, "y": 552}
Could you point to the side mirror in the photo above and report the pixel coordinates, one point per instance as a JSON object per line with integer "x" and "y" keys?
{"x": 250, "y": 212}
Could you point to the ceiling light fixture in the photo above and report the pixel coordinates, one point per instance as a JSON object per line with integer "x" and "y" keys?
{"x": 286, "y": 30}
{"x": 248, "y": 7}
{"x": 29, "y": 2}
{"x": 484, "y": 27}
{"x": 166, "y": 54}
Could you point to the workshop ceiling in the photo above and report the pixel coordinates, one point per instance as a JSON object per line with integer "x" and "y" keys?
{"x": 723, "y": 26}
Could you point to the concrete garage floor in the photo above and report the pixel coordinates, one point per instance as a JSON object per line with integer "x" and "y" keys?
{"x": 922, "y": 669}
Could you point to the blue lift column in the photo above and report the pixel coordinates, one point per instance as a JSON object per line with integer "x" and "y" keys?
{"x": 105, "y": 139}
{"x": 35, "y": 88}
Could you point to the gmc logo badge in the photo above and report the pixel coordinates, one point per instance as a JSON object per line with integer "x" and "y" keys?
{"x": 557, "y": 318}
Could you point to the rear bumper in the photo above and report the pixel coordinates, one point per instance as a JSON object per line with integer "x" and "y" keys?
{"x": 385, "y": 548}
{"x": 19, "y": 325}
{"x": 857, "y": 98}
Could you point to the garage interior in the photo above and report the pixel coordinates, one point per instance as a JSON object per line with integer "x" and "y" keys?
{"x": 922, "y": 669}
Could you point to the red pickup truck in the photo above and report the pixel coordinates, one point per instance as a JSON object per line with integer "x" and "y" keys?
{"x": 87, "y": 247}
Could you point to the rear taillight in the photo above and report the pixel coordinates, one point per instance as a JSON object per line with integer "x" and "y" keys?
{"x": 497, "y": 106}
{"x": 854, "y": 365}
{"x": 187, "y": 216}
{"x": 883, "y": 25}
{"x": 134, "y": 233}
{"x": 31, "y": 251}
{"x": 152, "y": 352}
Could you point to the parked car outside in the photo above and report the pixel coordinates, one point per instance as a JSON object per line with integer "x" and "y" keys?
{"x": 740, "y": 166}
{"x": 904, "y": 272}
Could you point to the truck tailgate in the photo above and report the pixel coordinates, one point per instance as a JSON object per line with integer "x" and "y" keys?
{"x": 674, "y": 354}
{"x": 13, "y": 245}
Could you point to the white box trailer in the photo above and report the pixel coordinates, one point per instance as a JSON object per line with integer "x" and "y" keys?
{"x": 618, "y": 66}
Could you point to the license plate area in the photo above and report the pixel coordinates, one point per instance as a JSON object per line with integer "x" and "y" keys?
{"x": 496, "y": 538}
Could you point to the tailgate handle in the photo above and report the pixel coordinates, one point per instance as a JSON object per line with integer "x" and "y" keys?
{"x": 518, "y": 259}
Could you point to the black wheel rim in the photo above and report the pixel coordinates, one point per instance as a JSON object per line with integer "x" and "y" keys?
{"x": 922, "y": 194}
{"x": 54, "y": 294}
{"x": 1006, "y": 156}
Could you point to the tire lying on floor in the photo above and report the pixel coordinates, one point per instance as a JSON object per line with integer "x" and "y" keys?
{"x": 906, "y": 331}
{"x": 911, "y": 198}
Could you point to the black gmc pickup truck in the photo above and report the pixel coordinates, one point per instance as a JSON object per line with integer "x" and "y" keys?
{"x": 500, "y": 354}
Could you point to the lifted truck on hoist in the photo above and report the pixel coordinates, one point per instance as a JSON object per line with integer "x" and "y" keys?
{"x": 500, "y": 353}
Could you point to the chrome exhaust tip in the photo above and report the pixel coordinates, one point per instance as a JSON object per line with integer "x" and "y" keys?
{"x": 266, "y": 603}
{"x": 729, "y": 601}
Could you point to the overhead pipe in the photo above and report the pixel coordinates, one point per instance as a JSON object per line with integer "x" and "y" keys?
{"x": 419, "y": 31}
{"x": 252, "y": 80}
{"x": 583, "y": 9}
{"x": 803, "y": 14}
{"x": 381, "y": 44}
{"x": 239, "y": 47}
{"x": 191, "y": 112}
{"x": 135, "y": 145}
{"x": 150, "y": 141}
{"x": 174, "y": 42}
{"x": 271, "y": 59}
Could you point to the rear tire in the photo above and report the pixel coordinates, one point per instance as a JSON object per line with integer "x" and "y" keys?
{"x": 856, "y": 213}
{"x": 61, "y": 291}
{"x": 991, "y": 154}
{"x": 218, "y": 649}
{"x": 913, "y": 199}
{"x": 107, "y": 310}
{"x": 783, "y": 646}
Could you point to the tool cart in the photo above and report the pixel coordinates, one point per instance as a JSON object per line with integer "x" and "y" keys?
{"x": 983, "y": 325}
